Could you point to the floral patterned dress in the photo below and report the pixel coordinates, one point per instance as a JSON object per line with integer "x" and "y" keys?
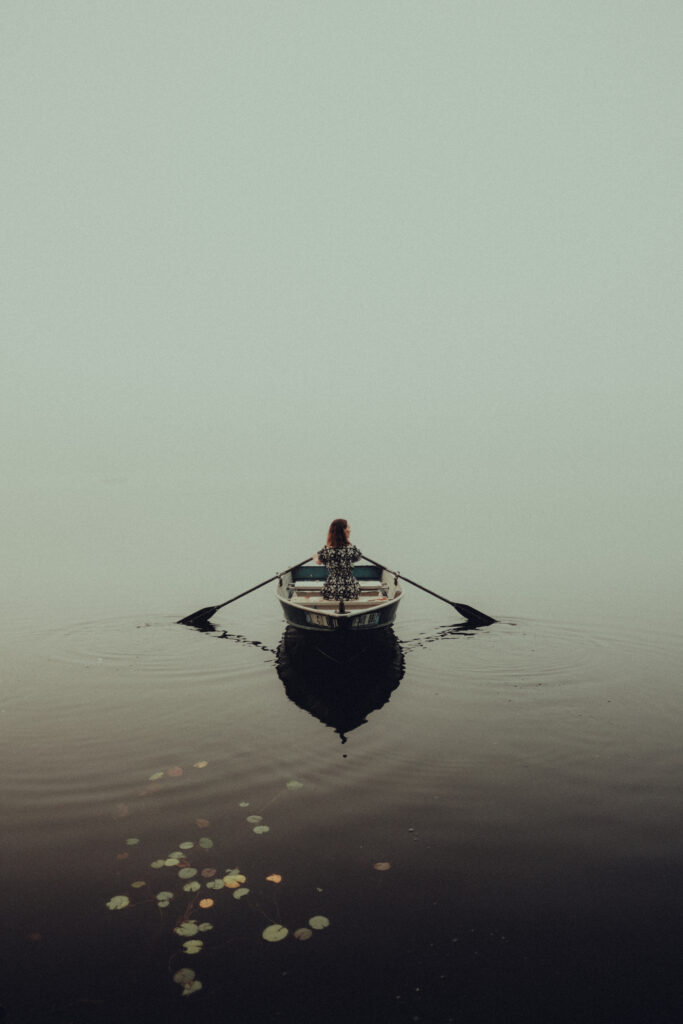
{"x": 341, "y": 584}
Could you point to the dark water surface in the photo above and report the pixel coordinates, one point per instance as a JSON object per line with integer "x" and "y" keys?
{"x": 522, "y": 782}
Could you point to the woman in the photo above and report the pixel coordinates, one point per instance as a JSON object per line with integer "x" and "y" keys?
{"x": 337, "y": 555}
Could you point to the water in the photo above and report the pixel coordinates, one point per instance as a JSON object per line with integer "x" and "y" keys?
{"x": 521, "y": 781}
{"x": 410, "y": 264}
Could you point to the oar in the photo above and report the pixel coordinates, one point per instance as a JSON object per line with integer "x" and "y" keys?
{"x": 204, "y": 614}
{"x": 471, "y": 614}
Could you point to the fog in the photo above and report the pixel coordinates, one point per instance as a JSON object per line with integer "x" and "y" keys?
{"x": 415, "y": 264}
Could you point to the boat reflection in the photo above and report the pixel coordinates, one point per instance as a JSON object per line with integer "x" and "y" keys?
{"x": 340, "y": 684}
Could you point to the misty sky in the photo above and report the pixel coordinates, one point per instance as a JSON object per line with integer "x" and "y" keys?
{"x": 414, "y": 263}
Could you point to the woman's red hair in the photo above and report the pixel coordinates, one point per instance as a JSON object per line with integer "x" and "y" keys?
{"x": 336, "y": 538}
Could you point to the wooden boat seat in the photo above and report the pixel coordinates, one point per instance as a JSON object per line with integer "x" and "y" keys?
{"x": 322, "y": 605}
{"x": 365, "y": 591}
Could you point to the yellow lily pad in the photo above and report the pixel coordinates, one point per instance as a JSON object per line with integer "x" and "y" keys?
{"x": 233, "y": 881}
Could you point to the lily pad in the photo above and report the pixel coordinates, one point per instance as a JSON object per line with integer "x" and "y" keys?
{"x": 191, "y": 887}
{"x": 200, "y": 764}
{"x": 239, "y": 893}
{"x": 215, "y": 883}
{"x": 254, "y": 819}
{"x": 184, "y": 976}
{"x": 202, "y": 822}
{"x": 275, "y": 933}
{"x": 274, "y": 878}
{"x": 319, "y": 922}
{"x": 118, "y": 902}
{"x": 185, "y": 846}
{"x": 261, "y": 829}
{"x": 294, "y": 784}
{"x": 193, "y": 946}
{"x": 205, "y": 926}
{"x": 382, "y": 865}
{"x": 206, "y": 843}
{"x": 194, "y": 986}
{"x": 187, "y": 873}
{"x": 132, "y": 842}
{"x": 231, "y": 881}
{"x": 155, "y": 776}
{"x": 187, "y": 928}
{"x": 171, "y": 862}
{"x": 208, "y": 872}
{"x": 137, "y": 885}
{"x": 164, "y": 896}
{"x": 244, "y": 803}
{"x": 158, "y": 864}
{"x": 302, "y": 934}
{"x": 206, "y": 903}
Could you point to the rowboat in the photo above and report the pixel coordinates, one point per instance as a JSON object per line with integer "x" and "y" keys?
{"x": 299, "y": 591}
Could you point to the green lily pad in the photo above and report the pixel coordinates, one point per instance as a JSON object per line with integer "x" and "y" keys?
{"x": 193, "y": 946}
{"x": 164, "y": 896}
{"x": 205, "y": 926}
{"x": 194, "y": 986}
{"x": 187, "y": 928}
{"x": 233, "y": 880}
{"x": 294, "y": 784}
{"x": 319, "y": 922}
{"x": 158, "y": 864}
{"x": 254, "y": 819}
{"x": 206, "y": 843}
{"x": 191, "y": 887}
{"x": 132, "y": 842}
{"x": 185, "y": 846}
{"x": 275, "y": 933}
{"x": 239, "y": 893}
{"x": 244, "y": 803}
{"x": 187, "y": 873}
{"x": 261, "y": 829}
{"x": 215, "y": 883}
{"x": 118, "y": 902}
{"x": 184, "y": 976}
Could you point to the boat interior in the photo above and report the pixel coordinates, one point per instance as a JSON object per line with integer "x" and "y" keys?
{"x": 305, "y": 584}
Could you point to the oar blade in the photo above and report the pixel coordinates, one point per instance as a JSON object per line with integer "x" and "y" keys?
{"x": 477, "y": 618}
{"x": 196, "y": 618}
